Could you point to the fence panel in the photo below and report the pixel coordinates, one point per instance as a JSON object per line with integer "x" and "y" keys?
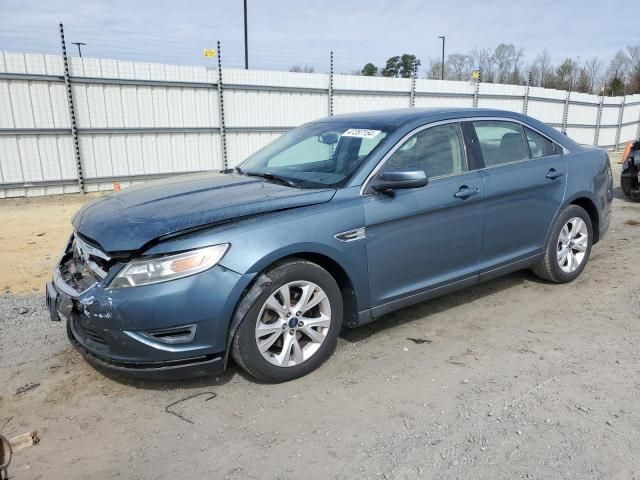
{"x": 547, "y": 105}
{"x": 444, "y": 93}
{"x": 139, "y": 120}
{"x": 504, "y": 97}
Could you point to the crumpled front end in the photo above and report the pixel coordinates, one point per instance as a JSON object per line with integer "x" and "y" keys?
{"x": 173, "y": 329}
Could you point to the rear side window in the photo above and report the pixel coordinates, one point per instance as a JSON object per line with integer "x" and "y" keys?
{"x": 501, "y": 142}
{"x": 541, "y": 146}
{"x": 437, "y": 150}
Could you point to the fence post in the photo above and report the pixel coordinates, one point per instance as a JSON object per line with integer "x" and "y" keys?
{"x": 565, "y": 112}
{"x": 596, "y": 137}
{"x": 72, "y": 112}
{"x": 412, "y": 93}
{"x": 223, "y": 133}
{"x": 525, "y": 103}
{"x": 476, "y": 91}
{"x": 620, "y": 115}
{"x": 331, "y": 84}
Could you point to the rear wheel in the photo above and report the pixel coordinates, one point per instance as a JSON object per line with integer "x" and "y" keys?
{"x": 293, "y": 325}
{"x": 568, "y": 248}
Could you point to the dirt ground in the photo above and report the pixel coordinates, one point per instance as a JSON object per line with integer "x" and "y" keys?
{"x": 32, "y": 234}
{"x": 516, "y": 378}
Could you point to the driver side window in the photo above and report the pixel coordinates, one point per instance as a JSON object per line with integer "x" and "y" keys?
{"x": 438, "y": 151}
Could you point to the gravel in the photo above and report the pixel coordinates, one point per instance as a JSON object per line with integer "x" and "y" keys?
{"x": 518, "y": 379}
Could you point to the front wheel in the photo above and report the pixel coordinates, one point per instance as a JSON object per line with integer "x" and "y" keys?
{"x": 293, "y": 325}
{"x": 568, "y": 248}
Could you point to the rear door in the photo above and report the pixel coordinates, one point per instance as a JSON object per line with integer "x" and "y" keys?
{"x": 423, "y": 239}
{"x": 525, "y": 180}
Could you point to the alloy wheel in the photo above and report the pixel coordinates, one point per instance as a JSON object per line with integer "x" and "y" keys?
{"x": 573, "y": 242}
{"x": 293, "y": 323}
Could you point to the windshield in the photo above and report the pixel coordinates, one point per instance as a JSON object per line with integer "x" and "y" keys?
{"x": 316, "y": 155}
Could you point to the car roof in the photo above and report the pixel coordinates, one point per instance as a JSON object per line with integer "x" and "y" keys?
{"x": 400, "y": 116}
{"x": 405, "y": 119}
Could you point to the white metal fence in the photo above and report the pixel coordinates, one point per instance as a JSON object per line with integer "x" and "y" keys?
{"x": 135, "y": 121}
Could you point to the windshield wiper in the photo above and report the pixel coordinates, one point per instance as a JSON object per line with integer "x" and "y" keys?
{"x": 270, "y": 176}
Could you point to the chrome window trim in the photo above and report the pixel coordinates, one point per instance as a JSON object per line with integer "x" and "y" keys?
{"x": 400, "y": 142}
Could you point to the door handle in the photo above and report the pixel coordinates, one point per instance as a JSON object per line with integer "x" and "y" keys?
{"x": 552, "y": 174}
{"x": 465, "y": 192}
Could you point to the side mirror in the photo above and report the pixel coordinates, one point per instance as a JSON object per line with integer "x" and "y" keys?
{"x": 399, "y": 179}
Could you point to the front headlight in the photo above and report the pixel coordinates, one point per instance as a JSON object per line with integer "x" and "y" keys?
{"x": 169, "y": 267}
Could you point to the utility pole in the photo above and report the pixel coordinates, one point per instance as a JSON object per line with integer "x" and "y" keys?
{"x": 246, "y": 46}
{"x": 79, "y": 45}
{"x": 442, "y": 70}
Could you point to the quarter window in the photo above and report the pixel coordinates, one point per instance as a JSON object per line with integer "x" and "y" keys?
{"x": 500, "y": 142}
{"x": 437, "y": 150}
{"x": 541, "y": 146}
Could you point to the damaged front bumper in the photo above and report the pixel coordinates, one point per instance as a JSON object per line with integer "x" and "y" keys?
{"x": 174, "y": 329}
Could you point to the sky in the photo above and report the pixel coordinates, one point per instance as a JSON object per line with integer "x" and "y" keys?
{"x": 283, "y": 33}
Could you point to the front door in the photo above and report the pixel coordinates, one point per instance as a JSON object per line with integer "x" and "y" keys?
{"x": 419, "y": 240}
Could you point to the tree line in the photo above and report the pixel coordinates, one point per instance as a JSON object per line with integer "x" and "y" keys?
{"x": 506, "y": 64}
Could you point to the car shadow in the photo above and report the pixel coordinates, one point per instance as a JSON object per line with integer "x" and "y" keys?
{"x": 422, "y": 311}
{"x": 418, "y": 312}
{"x": 619, "y": 195}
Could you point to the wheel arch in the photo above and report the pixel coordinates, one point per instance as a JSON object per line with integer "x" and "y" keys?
{"x": 261, "y": 281}
{"x": 587, "y": 203}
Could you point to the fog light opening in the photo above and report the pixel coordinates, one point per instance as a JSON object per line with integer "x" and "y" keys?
{"x": 173, "y": 336}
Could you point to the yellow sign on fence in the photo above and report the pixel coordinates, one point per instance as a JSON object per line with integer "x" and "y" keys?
{"x": 209, "y": 52}
{"x": 475, "y": 74}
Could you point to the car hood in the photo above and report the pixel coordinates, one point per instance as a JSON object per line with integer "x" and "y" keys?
{"x": 129, "y": 220}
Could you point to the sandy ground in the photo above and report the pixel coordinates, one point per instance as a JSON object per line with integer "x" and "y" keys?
{"x": 33, "y": 232}
{"x": 462, "y": 404}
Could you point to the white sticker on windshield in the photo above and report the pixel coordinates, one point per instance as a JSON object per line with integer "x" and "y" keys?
{"x": 361, "y": 133}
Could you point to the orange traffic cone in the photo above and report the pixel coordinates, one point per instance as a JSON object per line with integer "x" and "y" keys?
{"x": 625, "y": 153}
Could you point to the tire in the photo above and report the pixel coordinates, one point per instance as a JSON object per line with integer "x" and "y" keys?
{"x": 555, "y": 267}
{"x": 308, "y": 346}
{"x": 627, "y": 183}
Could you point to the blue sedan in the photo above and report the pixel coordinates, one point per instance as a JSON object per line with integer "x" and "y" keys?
{"x": 333, "y": 225}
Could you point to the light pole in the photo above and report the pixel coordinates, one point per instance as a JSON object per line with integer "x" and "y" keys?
{"x": 442, "y": 70}
{"x": 80, "y": 45}
{"x": 246, "y": 46}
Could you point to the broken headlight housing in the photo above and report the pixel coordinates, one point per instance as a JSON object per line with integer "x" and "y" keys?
{"x": 147, "y": 271}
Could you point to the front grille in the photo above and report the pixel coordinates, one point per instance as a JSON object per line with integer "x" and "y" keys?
{"x": 83, "y": 264}
{"x": 76, "y": 274}
{"x": 98, "y": 261}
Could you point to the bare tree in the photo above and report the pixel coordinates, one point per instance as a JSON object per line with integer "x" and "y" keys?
{"x": 618, "y": 66}
{"x": 634, "y": 56}
{"x": 593, "y": 69}
{"x": 504, "y": 57}
{"x": 516, "y": 75}
{"x": 458, "y": 66}
{"x": 434, "y": 67}
{"x": 634, "y": 74}
{"x": 483, "y": 59}
{"x": 302, "y": 69}
{"x": 541, "y": 69}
